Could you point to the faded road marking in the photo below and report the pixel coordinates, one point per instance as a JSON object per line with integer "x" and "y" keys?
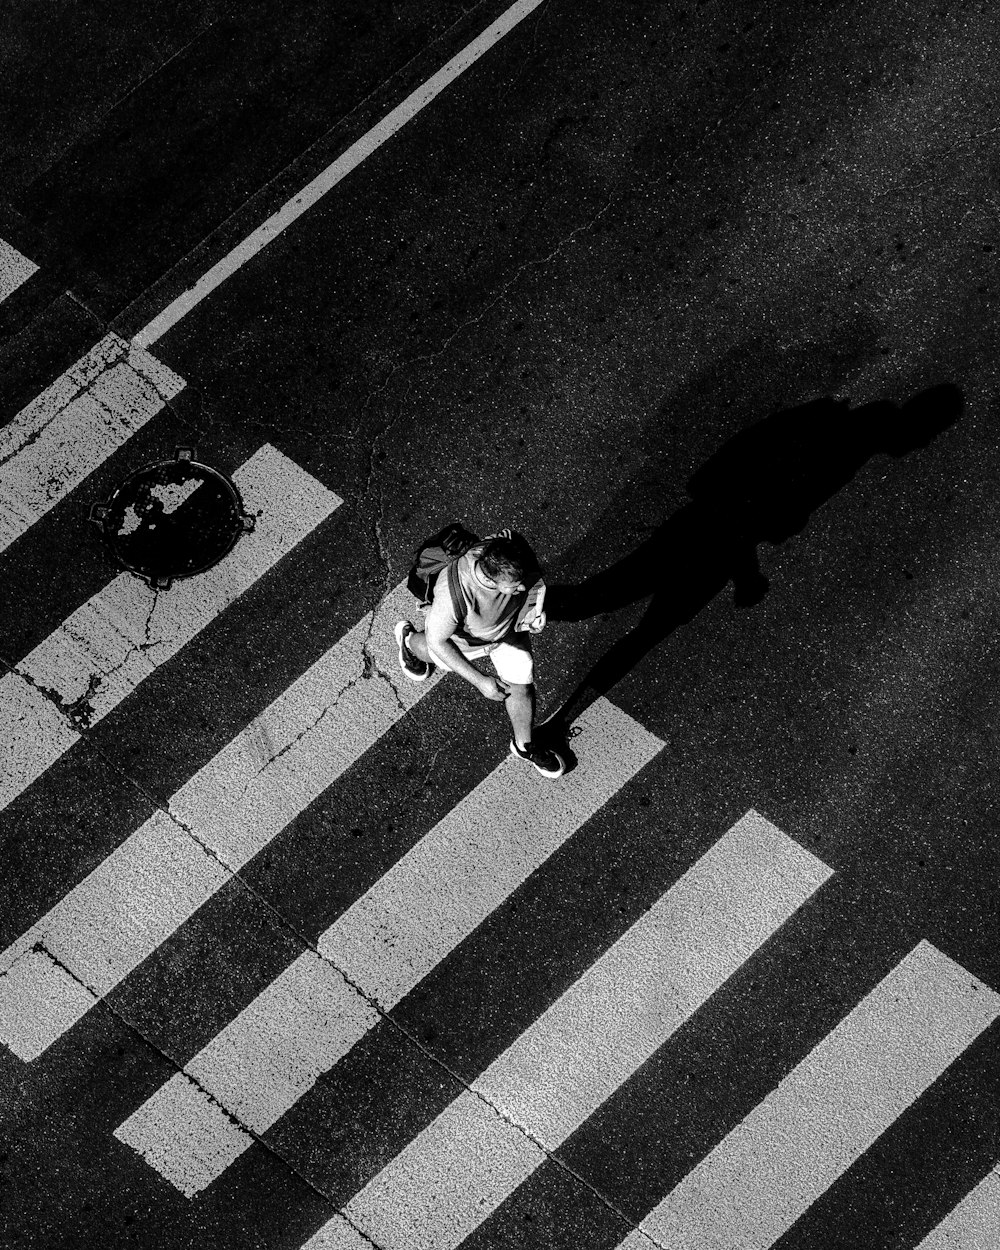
{"x": 102, "y": 652}
{"x": 94, "y": 408}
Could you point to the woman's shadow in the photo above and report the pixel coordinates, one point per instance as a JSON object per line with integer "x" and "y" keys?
{"x": 760, "y": 486}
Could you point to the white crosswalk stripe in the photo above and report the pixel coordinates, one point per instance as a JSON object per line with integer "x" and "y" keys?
{"x": 974, "y": 1224}
{"x": 828, "y": 1111}
{"x": 15, "y": 269}
{"x": 592, "y": 1039}
{"x": 122, "y": 634}
{"x": 391, "y": 938}
{"x": 61, "y": 437}
{"x": 228, "y": 811}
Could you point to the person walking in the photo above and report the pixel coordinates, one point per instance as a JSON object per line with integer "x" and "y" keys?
{"x": 493, "y": 616}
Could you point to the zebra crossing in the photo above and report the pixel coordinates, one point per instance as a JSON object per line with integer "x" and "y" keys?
{"x": 513, "y": 1117}
{"x": 829, "y": 1110}
{"x": 365, "y": 963}
{"x": 215, "y": 823}
{"x": 59, "y": 439}
{"x": 577, "y": 1053}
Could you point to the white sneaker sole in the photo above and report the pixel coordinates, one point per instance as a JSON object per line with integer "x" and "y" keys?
{"x": 544, "y": 771}
{"x": 400, "y": 632}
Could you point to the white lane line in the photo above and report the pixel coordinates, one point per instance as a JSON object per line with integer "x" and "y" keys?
{"x": 259, "y": 782}
{"x": 121, "y": 635}
{"x": 974, "y": 1224}
{"x": 393, "y": 936}
{"x": 592, "y": 1039}
{"x": 827, "y": 1112}
{"x": 322, "y": 183}
{"x": 68, "y": 431}
{"x": 95, "y": 407}
{"x": 74, "y": 426}
{"x": 15, "y": 269}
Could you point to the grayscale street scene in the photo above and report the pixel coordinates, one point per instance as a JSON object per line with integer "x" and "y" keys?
{"x": 500, "y": 651}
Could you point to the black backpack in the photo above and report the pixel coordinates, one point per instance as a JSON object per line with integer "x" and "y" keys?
{"x": 440, "y": 551}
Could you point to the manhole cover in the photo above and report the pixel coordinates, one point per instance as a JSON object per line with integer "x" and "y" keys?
{"x": 172, "y": 519}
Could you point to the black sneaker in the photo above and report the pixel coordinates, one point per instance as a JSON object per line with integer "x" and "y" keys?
{"x": 415, "y": 669}
{"x": 548, "y": 763}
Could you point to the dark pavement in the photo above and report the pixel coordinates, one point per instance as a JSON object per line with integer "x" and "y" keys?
{"x": 703, "y": 300}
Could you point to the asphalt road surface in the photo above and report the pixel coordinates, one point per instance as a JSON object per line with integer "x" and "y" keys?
{"x": 702, "y": 298}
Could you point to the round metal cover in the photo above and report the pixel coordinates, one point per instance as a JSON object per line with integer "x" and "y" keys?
{"x": 172, "y": 519}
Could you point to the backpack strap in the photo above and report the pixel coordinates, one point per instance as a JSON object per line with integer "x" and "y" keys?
{"x": 457, "y": 598}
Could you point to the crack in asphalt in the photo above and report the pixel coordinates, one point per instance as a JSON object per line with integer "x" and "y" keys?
{"x": 297, "y": 739}
{"x": 181, "y": 1068}
{"x": 369, "y": 668}
{"x": 376, "y": 1245}
{"x": 85, "y": 307}
{"x": 80, "y": 711}
{"x": 376, "y": 456}
{"x": 39, "y": 948}
{"x": 192, "y": 833}
{"x": 541, "y": 13}
{"x": 441, "y": 1065}
{"x": 375, "y": 668}
{"x": 203, "y": 1089}
{"x": 384, "y": 1015}
{"x": 413, "y": 362}
{"x": 967, "y": 139}
{"x": 84, "y": 387}
{"x": 53, "y": 695}
{"x": 84, "y": 712}
{"x": 382, "y": 548}
{"x": 77, "y": 713}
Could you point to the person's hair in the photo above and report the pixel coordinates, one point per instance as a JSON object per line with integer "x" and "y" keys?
{"x": 506, "y": 560}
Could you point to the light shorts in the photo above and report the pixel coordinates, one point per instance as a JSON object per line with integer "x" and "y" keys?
{"x": 511, "y": 657}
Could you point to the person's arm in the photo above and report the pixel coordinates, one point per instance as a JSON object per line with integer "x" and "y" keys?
{"x": 439, "y": 626}
{"x": 443, "y": 650}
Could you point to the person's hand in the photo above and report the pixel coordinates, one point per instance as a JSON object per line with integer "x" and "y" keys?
{"x": 493, "y": 688}
{"x": 536, "y": 625}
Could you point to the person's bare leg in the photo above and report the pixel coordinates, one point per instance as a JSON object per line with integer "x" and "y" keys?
{"x": 417, "y": 643}
{"x": 521, "y": 710}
